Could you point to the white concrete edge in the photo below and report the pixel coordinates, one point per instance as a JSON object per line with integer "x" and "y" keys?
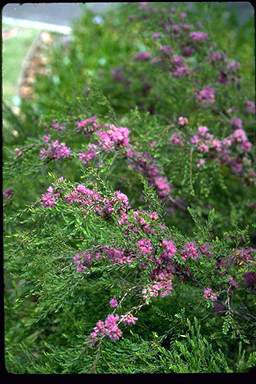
{"x": 36, "y": 25}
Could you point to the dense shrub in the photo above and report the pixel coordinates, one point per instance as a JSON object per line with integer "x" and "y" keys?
{"x": 129, "y": 200}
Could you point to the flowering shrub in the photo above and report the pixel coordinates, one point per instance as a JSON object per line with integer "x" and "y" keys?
{"x": 142, "y": 217}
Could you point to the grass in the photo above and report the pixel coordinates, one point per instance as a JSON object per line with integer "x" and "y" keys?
{"x": 14, "y": 51}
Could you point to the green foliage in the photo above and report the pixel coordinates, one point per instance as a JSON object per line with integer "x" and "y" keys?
{"x": 51, "y": 309}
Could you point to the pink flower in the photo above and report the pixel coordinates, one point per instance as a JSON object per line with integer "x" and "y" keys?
{"x": 7, "y": 193}
{"x": 165, "y": 49}
{"x": 176, "y": 139}
{"x": 122, "y": 197}
{"x": 200, "y": 163}
{"x": 106, "y": 141}
{"x": 246, "y": 146}
{"x": 156, "y": 35}
{"x": 145, "y": 246}
{"x": 128, "y": 319}
{"x": 202, "y": 147}
{"x": 169, "y": 249}
{"x": 85, "y": 157}
{"x": 236, "y": 167}
{"x": 237, "y": 123}
{"x": 182, "y": 70}
{"x": 153, "y": 215}
{"x": 198, "y": 36}
{"x": 58, "y": 127}
{"x": 87, "y": 122}
{"x": 177, "y": 60}
{"x": 202, "y": 130}
{"x": 183, "y": 15}
{"x": 206, "y": 95}
{"x": 233, "y": 65}
{"x": 111, "y": 327}
{"x": 187, "y": 51}
{"x": 162, "y": 185}
{"x": 216, "y": 144}
{"x": 216, "y": 56}
{"x": 239, "y": 135}
{"x": 195, "y": 139}
{"x": 46, "y": 138}
{"x": 113, "y": 302}
{"x": 209, "y": 295}
{"x": 142, "y": 56}
{"x": 250, "y": 106}
{"x": 190, "y": 251}
{"x": 182, "y": 120}
{"x": 55, "y": 150}
{"x": 176, "y": 28}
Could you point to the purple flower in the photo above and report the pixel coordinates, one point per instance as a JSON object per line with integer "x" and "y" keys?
{"x": 113, "y": 302}
{"x": 142, "y": 56}
{"x": 198, "y": 36}
{"x": 237, "y": 123}
{"x": 206, "y": 95}
{"x": 176, "y": 139}
{"x": 250, "y": 279}
{"x": 250, "y": 106}
{"x": 216, "y": 56}
{"x": 8, "y": 193}
{"x": 165, "y": 49}
{"x": 209, "y": 295}
{"x": 187, "y": 51}
{"x": 156, "y": 35}
{"x": 233, "y": 65}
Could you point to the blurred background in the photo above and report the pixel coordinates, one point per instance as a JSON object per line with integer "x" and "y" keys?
{"x": 23, "y": 25}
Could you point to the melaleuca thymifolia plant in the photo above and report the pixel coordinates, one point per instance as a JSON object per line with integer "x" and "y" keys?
{"x": 138, "y": 219}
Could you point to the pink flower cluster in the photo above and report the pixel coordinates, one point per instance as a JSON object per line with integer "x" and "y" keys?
{"x": 190, "y": 251}
{"x": 198, "y": 36}
{"x": 206, "y": 95}
{"x": 144, "y": 163}
{"x": 216, "y": 56}
{"x": 179, "y": 68}
{"x": 209, "y": 295}
{"x": 87, "y": 124}
{"x": 113, "y": 302}
{"x": 169, "y": 250}
{"x": 161, "y": 286}
{"x": 55, "y": 151}
{"x": 108, "y": 328}
{"x": 145, "y": 246}
{"x": 128, "y": 319}
{"x": 142, "y": 56}
{"x": 237, "y": 123}
{"x": 176, "y": 139}
{"x": 58, "y": 127}
{"x": 83, "y": 196}
{"x": 162, "y": 185}
{"x": 50, "y": 198}
{"x": 182, "y": 120}
{"x": 85, "y": 157}
{"x": 83, "y": 260}
{"x": 118, "y": 256}
{"x": 114, "y": 137}
{"x": 204, "y": 141}
{"x": 250, "y": 106}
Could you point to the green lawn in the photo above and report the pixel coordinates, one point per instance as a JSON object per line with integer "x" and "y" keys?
{"x": 14, "y": 51}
